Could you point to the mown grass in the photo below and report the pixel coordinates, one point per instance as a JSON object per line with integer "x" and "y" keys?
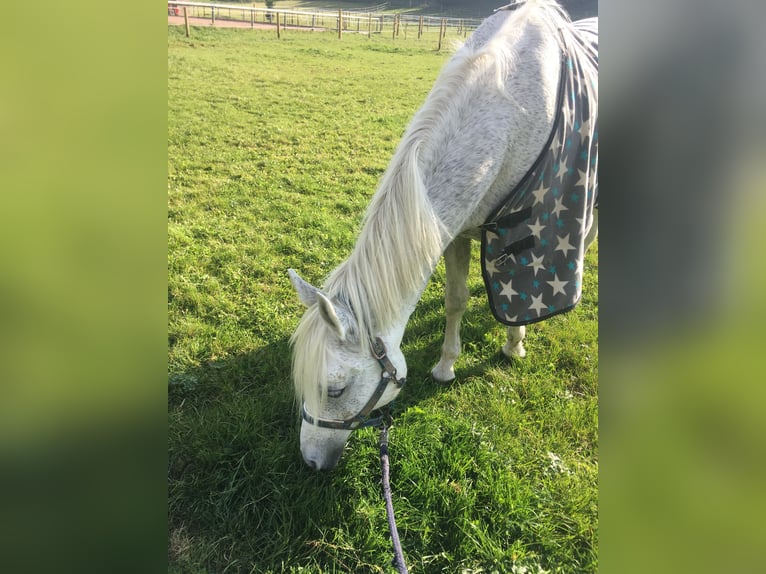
{"x": 274, "y": 149}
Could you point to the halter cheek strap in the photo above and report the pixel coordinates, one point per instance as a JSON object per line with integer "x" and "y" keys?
{"x": 362, "y": 420}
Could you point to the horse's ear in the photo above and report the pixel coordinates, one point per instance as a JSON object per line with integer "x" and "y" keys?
{"x": 331, "y": 316}
{"x": 334, "y": 314}
{"x": 307, "y": 293}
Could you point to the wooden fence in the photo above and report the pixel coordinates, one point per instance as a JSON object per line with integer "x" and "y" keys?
{"x": 368, "y": 23}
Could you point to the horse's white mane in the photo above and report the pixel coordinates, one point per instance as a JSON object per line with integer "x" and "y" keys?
{"x": 402, "y": 238}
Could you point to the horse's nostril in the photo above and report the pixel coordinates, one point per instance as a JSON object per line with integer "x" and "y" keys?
{"x": 312, "y": 464}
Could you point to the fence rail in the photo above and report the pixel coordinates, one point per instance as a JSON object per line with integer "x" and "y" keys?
{"x": 362, "y": 22}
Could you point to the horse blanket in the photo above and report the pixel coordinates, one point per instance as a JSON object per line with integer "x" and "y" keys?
{"x": 533, "y": 246}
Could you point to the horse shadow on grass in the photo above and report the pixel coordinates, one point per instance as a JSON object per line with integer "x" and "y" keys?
{"x": 238, "y": 490}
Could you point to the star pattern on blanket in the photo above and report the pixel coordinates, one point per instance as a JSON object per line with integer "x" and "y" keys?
{"x": 533, "y": 246}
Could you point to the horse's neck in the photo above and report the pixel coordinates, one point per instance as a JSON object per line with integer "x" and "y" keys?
{"x": 394, "y": 333}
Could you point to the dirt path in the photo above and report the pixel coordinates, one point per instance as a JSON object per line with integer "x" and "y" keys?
{"x": 220, "y": 23}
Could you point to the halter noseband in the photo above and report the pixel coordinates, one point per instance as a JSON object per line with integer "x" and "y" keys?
{"x": 362, "y": 420}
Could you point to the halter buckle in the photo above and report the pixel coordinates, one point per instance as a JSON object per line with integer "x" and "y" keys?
{"x": 378, "y": 349}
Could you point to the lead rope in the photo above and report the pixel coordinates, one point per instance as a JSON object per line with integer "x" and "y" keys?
{"x": 398, "y": 561}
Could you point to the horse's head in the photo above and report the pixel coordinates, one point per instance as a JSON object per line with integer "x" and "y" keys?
{"x": 342, "y": 373}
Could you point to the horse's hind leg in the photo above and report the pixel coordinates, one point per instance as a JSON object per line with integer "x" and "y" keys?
{"x": 513, "y": 345}
{"x": 457, "y": 258}
{"x": 593, "y": 231}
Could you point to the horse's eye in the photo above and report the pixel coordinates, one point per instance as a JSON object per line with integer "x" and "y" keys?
{"x": 335, "y": 393}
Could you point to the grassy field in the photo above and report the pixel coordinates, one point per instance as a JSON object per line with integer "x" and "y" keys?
{"x": 274, "y": 150}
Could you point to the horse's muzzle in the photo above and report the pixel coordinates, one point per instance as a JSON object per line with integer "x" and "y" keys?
{"x": 322, "y": 460}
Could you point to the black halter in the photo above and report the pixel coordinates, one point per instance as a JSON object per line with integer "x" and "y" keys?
{"x": 362, "y": 420}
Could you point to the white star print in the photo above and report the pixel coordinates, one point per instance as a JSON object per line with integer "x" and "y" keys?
{"x": 537, "y": 264}
{"x": 489, "y": 265}
{"x": 555, "y": 144}
{"x": 507, "y": 290}
{"x": 564, "y": 245}
{"x": 536, "y": 228}
{"x": 563, "y": 168}
{"x": 537, "y": 304}
{"x": 585, "y": 129}
{"x": 583, "y": 181}
{"x": 540, "y": 192}
{"x": 558, "y": 286}
{"x": 559, "y": 207}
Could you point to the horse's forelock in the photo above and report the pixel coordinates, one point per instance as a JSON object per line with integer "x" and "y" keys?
{"x": 309, "y": 360}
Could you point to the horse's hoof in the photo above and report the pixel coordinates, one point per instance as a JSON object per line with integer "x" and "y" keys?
{"x": 516, "y": 350}
{"x": 442, "y": 374}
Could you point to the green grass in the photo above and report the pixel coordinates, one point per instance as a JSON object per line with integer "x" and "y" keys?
{"x": 274, "y": 150}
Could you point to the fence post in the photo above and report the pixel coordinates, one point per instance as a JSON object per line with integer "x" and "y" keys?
{"x": 420, "y": 27}
{"x": 186, "y": 22}
{"x": 252, "y": 17}
{"x": 340, "y": 23}
{"x": 369, "y": 25}
{"x": 442, "y": 28}
{"x": 278, "y": 35}
{"x": 213, "y": 13}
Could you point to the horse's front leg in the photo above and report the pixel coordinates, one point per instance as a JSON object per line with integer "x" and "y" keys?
{"x": 457, "y": 258}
